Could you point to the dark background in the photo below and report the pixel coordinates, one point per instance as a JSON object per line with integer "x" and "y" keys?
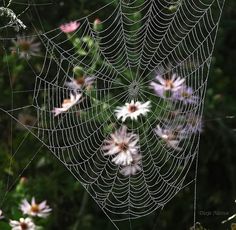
{"x": 45, "y": 178}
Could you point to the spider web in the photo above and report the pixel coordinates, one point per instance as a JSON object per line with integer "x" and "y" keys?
{"x": 175, "y": 37}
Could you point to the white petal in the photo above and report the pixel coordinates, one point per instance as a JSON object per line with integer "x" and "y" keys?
{"x": 43, "y": 205}
{"x": 160, "y": 79}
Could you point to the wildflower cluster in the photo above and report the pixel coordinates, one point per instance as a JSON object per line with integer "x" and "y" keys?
{"x": 30, "y": 210}
{"x": 174, "y": 88}
{"x": 123, "y": 144}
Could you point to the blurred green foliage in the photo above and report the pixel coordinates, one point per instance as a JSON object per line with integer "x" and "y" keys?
{"x": 47, "y": 179}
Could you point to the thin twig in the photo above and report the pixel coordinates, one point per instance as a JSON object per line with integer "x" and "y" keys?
{"x": 14, "y": 20}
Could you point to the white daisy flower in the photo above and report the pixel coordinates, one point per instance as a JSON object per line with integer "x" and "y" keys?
{"x": 23, "y": 224}
{"x": 132, "y": 110}
{"x": 1, "y": 214}
{"x": 170, "y": 84}
{"x": 169, "y": 136}
{"x": 123, "y": 145}
{"x": 80, "y": 82}
{"x": 134, "y": 167}
{"x": 67, "y": 104}
{"x": 34, "y": 209}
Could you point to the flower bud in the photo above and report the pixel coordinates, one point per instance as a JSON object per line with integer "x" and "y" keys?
{"x": 78, "y": 70}
{"x": 173, "y": 8}
{"x": 23, "y": 180}
{"x": 97, "y": 24}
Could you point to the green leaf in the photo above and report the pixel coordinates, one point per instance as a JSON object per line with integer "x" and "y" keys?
{"x": 4, "y": 226}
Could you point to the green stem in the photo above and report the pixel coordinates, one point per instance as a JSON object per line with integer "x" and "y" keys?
{"x": 81, "y": 211}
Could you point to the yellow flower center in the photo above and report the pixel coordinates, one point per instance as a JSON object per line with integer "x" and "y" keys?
{"x": 185, "y": 94}
{"x": 169, "y": 137}
{"x": 35, "y": 208}
{"x": 24, "y": 46}
{"x": 80, "y": 81}
{"x": 169, "y": 83}
{"x": 123, "y": 146}
{"x": 66, "y": 101}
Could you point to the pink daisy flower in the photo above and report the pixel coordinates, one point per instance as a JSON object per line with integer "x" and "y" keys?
{"x": 80, "y": 82}
{"x": 186, "y": 95}
{"x": 70, "y": 27}
{"x": 169, "y": 136}
{"x": 34, "y": 209}
{"x": 170, "y": 84}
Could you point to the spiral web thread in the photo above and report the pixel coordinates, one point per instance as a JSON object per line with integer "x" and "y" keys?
{"x": 174, "y": 38}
